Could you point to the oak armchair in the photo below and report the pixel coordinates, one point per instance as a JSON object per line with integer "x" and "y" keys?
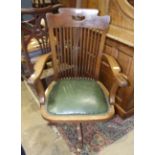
{"x": 77, "y": 39}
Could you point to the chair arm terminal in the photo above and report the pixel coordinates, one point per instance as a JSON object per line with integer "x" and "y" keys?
{"x": 121, "y": 79}
{"x": 38, "y": 68}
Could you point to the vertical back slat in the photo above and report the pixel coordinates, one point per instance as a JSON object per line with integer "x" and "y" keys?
{"x": 79, "y": 50}
{"x": 44, "y": 4}
{"x": 75, "y": 49}
{"x": 87, "y": 50}
{"x": 67, "y": 51}
{"x": 39, "y": 3}
{"x": 90, "y": 51}
{"x": 83, "y": 50}
{"x": 98, "y": 46}
{"x": 73, "y": 62}
{"x": 94, "y": 52}
{"x": 60, "y": 49}
{"x": 57, "y": 48}
{"x": 98, "y": 60}
{"x": 64, "y": 53}
{"x": 71, "y": 48}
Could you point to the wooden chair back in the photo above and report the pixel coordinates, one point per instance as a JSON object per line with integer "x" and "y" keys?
{"x": 36, "y": 27}
{"x": 77, "y": 39}
{"x": 33, "y": 29}
{"x": 43, "y": 3}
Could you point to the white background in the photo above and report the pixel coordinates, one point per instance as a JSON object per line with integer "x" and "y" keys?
{"x": 10, "y": 79}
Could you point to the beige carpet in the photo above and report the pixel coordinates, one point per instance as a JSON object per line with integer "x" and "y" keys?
{"x": 39, "y": 138}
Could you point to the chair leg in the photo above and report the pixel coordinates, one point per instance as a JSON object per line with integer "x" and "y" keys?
{"x": 80, "y": 137}
{"x": 51, "y": 124}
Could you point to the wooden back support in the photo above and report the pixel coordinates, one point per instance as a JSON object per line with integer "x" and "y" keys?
{"x": 77, "y": 39}
{"x": 38, "y": 3}
{"x": 43, "y": 3}
{"x": 34, "y": 29}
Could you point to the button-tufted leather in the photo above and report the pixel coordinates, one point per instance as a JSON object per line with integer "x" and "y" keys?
{"x": 77, "y": 97}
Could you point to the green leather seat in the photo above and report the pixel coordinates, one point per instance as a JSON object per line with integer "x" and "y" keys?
{"x": 77, "y": 97}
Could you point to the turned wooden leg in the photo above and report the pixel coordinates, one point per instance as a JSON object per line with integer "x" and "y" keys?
{"x": 80, "y": 137}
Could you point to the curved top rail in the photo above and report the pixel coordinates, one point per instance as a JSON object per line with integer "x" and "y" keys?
{"x": 69, "y": 17}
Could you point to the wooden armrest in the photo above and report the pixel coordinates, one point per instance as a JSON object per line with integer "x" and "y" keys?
{"x": 36, "y": 10}
{"x": 38, "y": 68}
{"x": 35, "y": 77}
{"x": 56, "y": 6}
{"x": 120, "y": 77}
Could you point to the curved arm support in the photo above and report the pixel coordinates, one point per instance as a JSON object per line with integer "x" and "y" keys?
{"x": 120, "y": 78}
{"x": 57, "y": 6}
{"x": 35, "y": 77}
{"x": 36, "y": 10}
{"x": 49, "y": 8}
{"x": 38, "y": 68}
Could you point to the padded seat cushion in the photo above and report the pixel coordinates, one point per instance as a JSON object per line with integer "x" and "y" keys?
{"x": 77, "y": 97}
